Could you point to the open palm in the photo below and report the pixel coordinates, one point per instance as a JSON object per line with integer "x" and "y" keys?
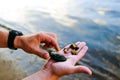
{"x": 68, "y": 67}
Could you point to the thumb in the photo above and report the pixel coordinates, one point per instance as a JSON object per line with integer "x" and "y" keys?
{"x": 82, "y": 69}
{"x": 42, "y": 53}
{"x": 49, "y": 63}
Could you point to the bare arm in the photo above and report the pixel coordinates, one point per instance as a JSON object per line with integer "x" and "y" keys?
{"x": 4, "y": 39}
{"x": 52, "y": 70}
{"x": 42, "y": 75}
{"x": 30, "y": 43}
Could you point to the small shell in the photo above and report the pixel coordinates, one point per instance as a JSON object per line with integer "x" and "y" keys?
{"x": 67, "y": 50}
{"x": 74, "y": 46}
{"x": 74, "y": 49}
{"x": 74, "y": 52}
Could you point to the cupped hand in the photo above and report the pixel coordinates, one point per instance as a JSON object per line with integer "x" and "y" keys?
{"x": 31, "y": 43}
{"x": 68, "y": 67}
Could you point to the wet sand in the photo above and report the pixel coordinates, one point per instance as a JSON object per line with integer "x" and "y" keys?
{"x": 9, "y": 69}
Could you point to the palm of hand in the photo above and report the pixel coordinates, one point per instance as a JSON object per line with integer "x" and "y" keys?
{"x": 68, "y": 67}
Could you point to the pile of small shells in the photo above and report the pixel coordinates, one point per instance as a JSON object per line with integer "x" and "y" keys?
{"x": 73, "y": 49}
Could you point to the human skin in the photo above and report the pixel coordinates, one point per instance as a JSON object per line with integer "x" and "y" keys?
{"x": 31, "y": 43}
{"x": 54, "y": 70}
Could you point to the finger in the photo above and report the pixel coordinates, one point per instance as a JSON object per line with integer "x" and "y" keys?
{"x": 48, "y": 39}
{"x": 52, "y": 34}
{"x": 48, "y": 45}
{"x": 77, "y": 43}
{"x": 82, "y": 69}
{"x": 81, "y": 53}
{"x": 55, "y": 44}
{"x": 81, "y": 45}
{"x": 42, "y": 53}
{"x": 49, "y": 63}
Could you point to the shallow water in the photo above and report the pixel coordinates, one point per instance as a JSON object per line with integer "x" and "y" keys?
{"x": 95, "y": 22}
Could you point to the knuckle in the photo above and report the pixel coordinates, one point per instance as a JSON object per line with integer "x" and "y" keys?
{"x": 38, "y": 34}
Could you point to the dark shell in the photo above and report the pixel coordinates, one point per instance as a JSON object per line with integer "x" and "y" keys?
{"x": 57, "y": 57}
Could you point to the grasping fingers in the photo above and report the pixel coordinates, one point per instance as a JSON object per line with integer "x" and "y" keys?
{"x": 50, "y": 40}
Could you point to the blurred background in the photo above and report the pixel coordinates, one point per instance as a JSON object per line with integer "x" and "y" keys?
{"x": 97, "y": 22}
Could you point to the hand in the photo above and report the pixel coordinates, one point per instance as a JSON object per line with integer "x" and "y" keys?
{"x": 31, "y": 43}
{"x": 54, "y": 70}
{"x": 68, "y": 67}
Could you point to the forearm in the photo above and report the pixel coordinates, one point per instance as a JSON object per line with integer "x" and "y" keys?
{"x": 3, "y": 38}
{"x": 42, "y": 75}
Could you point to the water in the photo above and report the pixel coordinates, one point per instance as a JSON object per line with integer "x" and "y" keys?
{"x": 97, "y": 22}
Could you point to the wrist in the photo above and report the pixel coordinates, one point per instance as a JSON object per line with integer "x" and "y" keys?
{"x": 44, "y": 74}
{"x": 17, "y": 41}
{"x": 11, "y": 39}
{"x": 49, "y": 74}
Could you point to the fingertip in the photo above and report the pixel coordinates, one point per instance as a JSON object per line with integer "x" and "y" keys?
{"x": 85, "y": 69}
{"x": 77, "y": 43}
{"x": 46, "y": 56}
{"x": 55, "y": 44}
{"x": 84, "y": 43}
{"x": 86, "y": 47}
{"x": 90, "y": 73}
{"x": 82, "y": 69}
{"x": 57, "y": 47}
